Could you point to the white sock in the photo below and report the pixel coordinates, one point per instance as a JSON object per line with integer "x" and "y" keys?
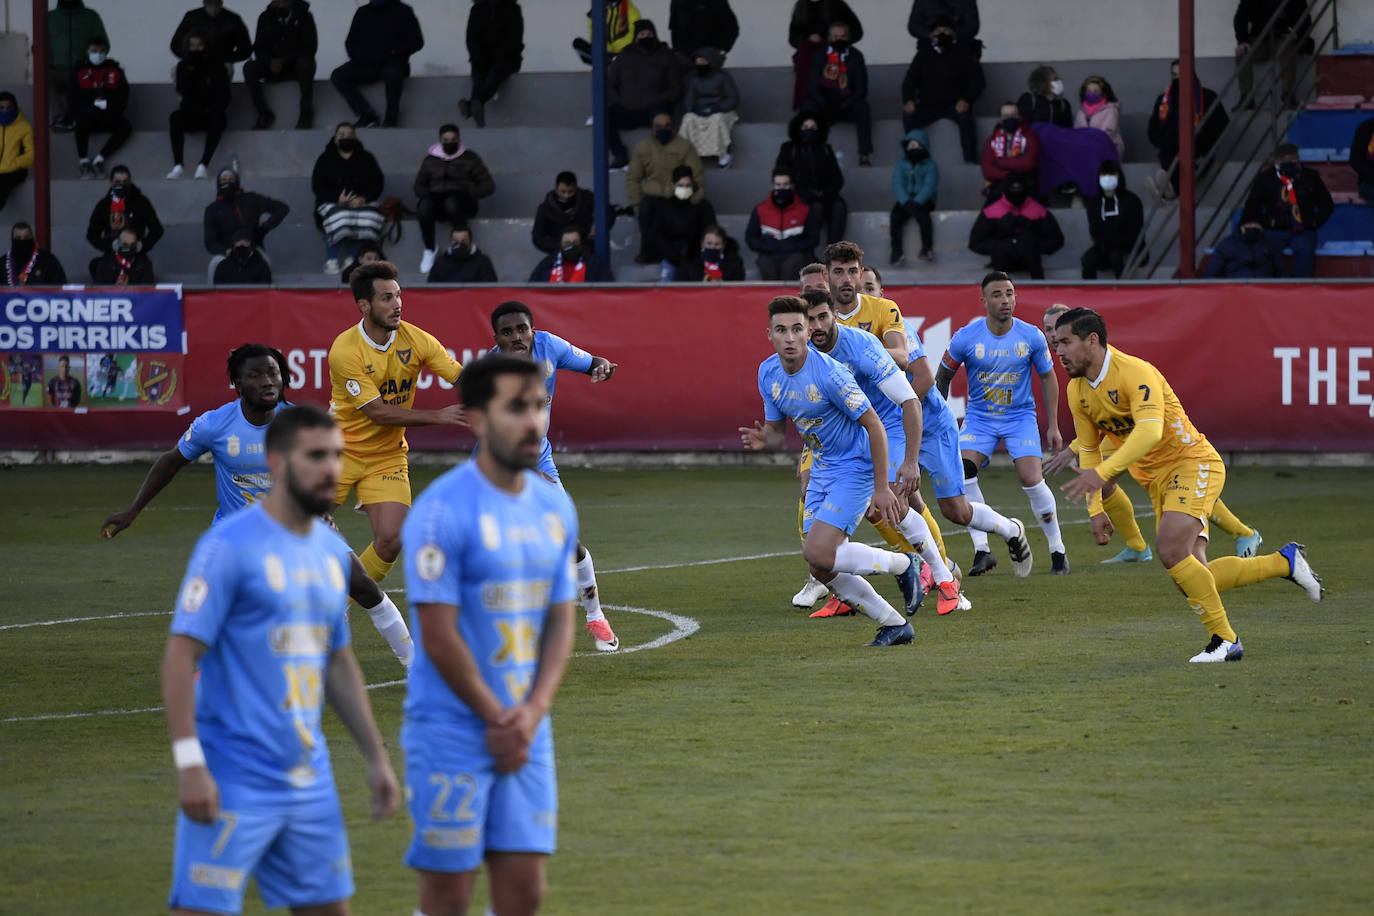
{"x": 386, "y": 617}
{"x": 1042, "y": 504}
{"x": 976, "y": 531}
{"x": 915, "y": 530}
{"x": 868, "y": 561}
{"x": 857, "y": 593}
{"x": 985, "y": 519}
{"x": 586, "y": 587}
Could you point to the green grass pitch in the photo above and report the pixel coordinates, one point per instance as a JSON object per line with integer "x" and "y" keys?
{"x": 1049, "y": 751}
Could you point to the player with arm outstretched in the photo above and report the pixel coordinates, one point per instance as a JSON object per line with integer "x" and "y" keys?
{"x": 512, "y": 326}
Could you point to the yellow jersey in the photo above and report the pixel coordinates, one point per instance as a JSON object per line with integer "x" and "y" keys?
{"x": 877, "y": 316}
{"x": 1132, "y": 405}
{"x": 361, "y": 371}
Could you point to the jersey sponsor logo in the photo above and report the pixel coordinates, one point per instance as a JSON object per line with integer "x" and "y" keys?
{"x": 404, "y": 356}
{"x": 194, "y": 593}
{"x": 813, "y": 394}
{"x": 853, "y": 399}
{"x": 516, "y": 596}
{"x": 491, "y": 531}
{"x": 299, "y": 639}
{"x": 449, "y": 837}
{"x": 353, "y": 387}
{"x": 978, "y": 351}
{"x": 231, "y": 446}
{"x": 429, "y": 562}
{"x": 276, "y": 573}
{"x": 1022, "y": 349}
{"x": 555, "y": 528}
{"x": 335, "y": 572}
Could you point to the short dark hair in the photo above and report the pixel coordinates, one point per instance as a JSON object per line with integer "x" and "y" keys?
{"x": 477, "y": 381}
{"x": 242, "y": 354}
{"x": 98, "y": 41}
{"x": 565, "y": 177}
{"x": 195, "y": 33}
{"x": 459, "y": 227}
{"x": 993, "y": 276}
{"x": 7, "y": 96}
{"x": 64, "y": 358}
{"x": 281, "y": 433}
{"x": 784, "y": 305}
{"x": 815, "y": 267}
{"x": 18, "y": 226}
{"x": 877, "y": 275}
{"x": 572, "y": 227}
{"x": 782, "y": 171}
{"x": 816, "y": 296}
{"x": 360, "y": 281}
{"x": 121, "y": 168}
{"x": 510, "y": 307}
{"x": 842, "y": 252}
{"x": 1083, "y": 322}
{"x": 446, "y": 128}
{"x": 343, "y": 124}
{"x": 681, "y": 172}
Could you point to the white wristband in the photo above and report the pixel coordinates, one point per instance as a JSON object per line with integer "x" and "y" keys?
{"x": 187, "y": 753}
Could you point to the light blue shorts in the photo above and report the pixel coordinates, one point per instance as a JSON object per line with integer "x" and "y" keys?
{"x": 838, "y": 495}
{"x": 896, "y": 451}
{"x": 1020, "y": 431}
{"x": 546, "y": 465}
{"x": 941, "y": 461}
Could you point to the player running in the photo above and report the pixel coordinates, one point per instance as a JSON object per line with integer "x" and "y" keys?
{"x": 1001, "y": 352}
{"x": 1129, "y": 401}
{"x": 512, "y": 326}
{"x": 262, "y": 616}
{"x": 235, "y": 435}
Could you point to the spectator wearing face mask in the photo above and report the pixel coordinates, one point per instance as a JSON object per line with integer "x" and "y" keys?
{"x": 25, "y": 264}
{"x": 710, "y": 103}
{"x": 1100, "y": 109}
{"x": 204, "y": 89}
{"x": 783, "y": 231}
{"x": 717, "y": 262}
{"x": 1044, "y": 100}
{"x": 1013, "y": 150}
{"x": 99, "y": 95}
{"x": 672, "y": 230}
{"x": 284, "y": 48}
{"x": 235, "y": 210}
{"x": 643, "y": 80}
{"x": 243, "y": 264}
{"x": 565, "y": 205}
{"x": 815, "y": 172}
{"x": 225, "y": 36}
{"x": 451, "y": 180}
{"x": 1209, "y": 122}
{"x": 124, "y": 264}
{"x": 573, "y": 262}
{"x": 649, "y": 178}
{"x": 961, "y": 15}
{"x": 1246, "y": 254}
{"x": 915, "y": 182}
{"x": 123, "y": 207}
{"x": 1362, "y": 159}
{"x": 461, "y": 262}
{"x": 71, "y": 26}
{"x": 944, "y": 80}
{"x": 496, "y": 47}
{"x": 347, "y": 182}
{"x": 806, "y": 33}
{"x": 1115, "y": 218}
{"x": 1291, "y": 203}
{"x": 839, "y": 87}
{"x": 382, "y": 38}
{"x": 16, "y": 146}
{"x": 368, "y": 253}
{"x": 1016, "y": 231}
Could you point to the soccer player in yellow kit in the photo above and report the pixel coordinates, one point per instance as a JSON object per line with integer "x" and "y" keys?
{"x": 1128, "y": 401}
{"x": 372, "y": 371}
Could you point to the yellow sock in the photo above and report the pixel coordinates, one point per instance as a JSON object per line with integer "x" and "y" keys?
{"x": 1122, "y": 514}
{"x": 1201, "y": 589}
{"x": 893, "y": 537}
{"x": 1226, "y": 520}
{"x": 935, "y": 532}
{"x": 1233, "y": 572}
{"x": 376, "y": 567}
{"x": 801, "y": 517}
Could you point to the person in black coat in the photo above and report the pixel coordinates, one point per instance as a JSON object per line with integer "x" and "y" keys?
{"x": 565, "y": 205}
{"x": 1246, "y": 254}
{"x": 806, "y": 33}
{"x": 461, "y": 262}
{"x": 124, "y": 264}
{"x": 672, "y": 230}
{"x": 1250, "y": 19}
{"x": 244, "y": 264}
{"x": 496, "y": 47}
{"x": 962, "y": 16}
{"x": 235, "y": 209}
{"x": 383, "y": 36}
{"x": 25, "y": 264}
{"x": 283, "y": 49}
{"x": 226, "y": 37}
{"x": 345, "y": 175}
{"x": 1209, "y": 118}
{"x": 717, "y": 262}
{"x": 204, "y": 89}
{"x": 97, "y": 100}
{"x": 1291, "y": 203}
{"x": 816, "y": 175}
{"x": 124, "y": 206}
{"x": 1115, "y": 219}
{"x": 1016, "y": 231}
{"x": 1044, "y": 100}
{"x": 696, "y": 24}
{"x": 573, "y": 262}
{"x": 839, "y": 87}
{"x": 944, "y": 80}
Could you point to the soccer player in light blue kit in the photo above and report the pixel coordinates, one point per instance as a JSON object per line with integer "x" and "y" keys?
{"x": 262, "y": 614}
{"x": 512, "y": 326}
{"x": 235, "y": 436}
{"x": 1001, "y": 353}
{"x": 849, "y": 464}
{"x": 489, "y": 572}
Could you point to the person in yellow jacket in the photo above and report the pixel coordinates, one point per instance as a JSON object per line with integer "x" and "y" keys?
{"x": 16, "y": 146}
{"x": 621, "y": 15}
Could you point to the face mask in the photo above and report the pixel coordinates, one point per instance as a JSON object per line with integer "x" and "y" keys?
{"x": 682, "y": 193}
{"x": 663, "y": 134}
{"x": 1057, "y": 87}
{"x": 944, "y": 42}
{"x": 1290, "y": 169}
{"x": 808, "y": 134}
{"x": 1010, "y": 124}
{"x": 917, "y": 155}
{"x": 1107, "y": 182}
{"x": 1017, "y": 198}
{"x": 347, "y": 144}
{"x": 197, "y": 55}
{"x": 783, "y": 197}
{"x": 8, "y": 116}
{"x": 704, "y": 69}
{"x": 96, "y": 58}
{"x": 22, "y": 249}
{"x": 117, "y": 187}
{"x": 126, "y": 251}
{"x": 840, "y": 45}
{"x": 242, "y": 252}
{"x": 459, "y": 251}
{"x": 1252, "y": 234}
{"x": 565, "y": 201}
{"x": 1092, "y": 98}
{"x": 572, "y": 253}
{"x": 648, "y": 43}
{"x": 711, "y": 255}
{"x": 228, "y": 188}
{"x": 449, "y": 148}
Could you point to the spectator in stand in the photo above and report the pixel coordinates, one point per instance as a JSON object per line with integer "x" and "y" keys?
{"x": 1068, "y": 157}
{"x": 806, "y": 32}
{"x": 204, "y": 89}
{"x": 383, "y": 36}
{"x": 1100, "y": 109}
{"x": 25, "y": 264}
{"x": 496, "y": 47}
{"x": 283, "y": 49}
{"x": 124, "y": 206}
{"x": 915, "y": 182}
{"x": 944, "y": 80}
{"x": 71, "y": 26}
{"x": 643, "y": 80}
{"x": 717, "y": 262}
{"x": 452, "y": 178}
{"x": 347, "y": 181}
{"x": 815, "y": 172}
{"x": 649, "y": 179}
{"x": 961, "y": 15}
{"x": 1246, "y": 254}
{"x": 1013, "y": 151}
{"x": 99, "y": 95}
{"x": 461, "y": 262}
{"x": 368, "y": 253}
{"x": 235, "y": 210}
{"x": 1016, "y": 231}
{"x": 16, "y": 146}
{"x": 566, "y": 205}
{"x": 244, "y": 265}
{"x": 671, "y": 231}
{"x": 1209, "y": 122}
{"x": 1291, "y": 203}
{"x": 572, "y": 263}
{"x": 225, "y": 36}
{"x": 694, "y": 24}
{"x": 621, "y": 15}
{"x": 710, "y": 103}
{"x": 1250, "y": 19}
{"x": 124, "y": 264}
{"x": 1045, "y": 99}
{"x": 1362, "y": 159}
{"x": 839, "y": 87}
{"x": 783, "y": 231}
{"x": 1115, "y": 218}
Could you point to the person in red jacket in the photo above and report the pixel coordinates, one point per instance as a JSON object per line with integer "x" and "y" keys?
{"x": 99, "y": 95}
{"x": 1012, "y": 150}
{"x": 783, "y": 231}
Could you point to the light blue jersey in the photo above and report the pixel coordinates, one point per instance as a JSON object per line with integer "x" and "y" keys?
{"x": 1000, "y": 369}
{"x": 935, "y": 413}
{"x": 552, "y": 353}
{"x": 824, "y": 401}
{"x": 864, "y": 356}
{"x": 240, "y": 453}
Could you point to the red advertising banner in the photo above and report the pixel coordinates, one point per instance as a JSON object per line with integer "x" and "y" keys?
{"x": 1263, "y": 367}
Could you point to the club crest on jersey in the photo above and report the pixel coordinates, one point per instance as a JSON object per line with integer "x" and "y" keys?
{"x": 777, "y": 393}
{"x": 491, "y": 531}
{"x": 1112, "y": 394}
{"x": 1022, "y": 349}
{"x": 404, "y": 356}
{"x": 548, "y": 368}
{"x": 866, "y": 326}
{"x": 978, "y": 351}
{"x": 276, "y": 573}
{"x": 231, "y": 446}
{"x": 813, "y": 394}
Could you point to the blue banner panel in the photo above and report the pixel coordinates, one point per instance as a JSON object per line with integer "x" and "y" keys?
{"x": 92, "y": 321}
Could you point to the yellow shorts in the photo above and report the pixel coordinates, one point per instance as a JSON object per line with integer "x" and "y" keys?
{"x": 1191, "y": 487}
{"x": 378, "y": 479}
{"x": 805, "y": 460}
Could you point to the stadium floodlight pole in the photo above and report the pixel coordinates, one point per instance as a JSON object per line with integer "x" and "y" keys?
{"x": 601, "y": 181}
{"x": 1187, "y": 259}
{"x": 42, "y": 201}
